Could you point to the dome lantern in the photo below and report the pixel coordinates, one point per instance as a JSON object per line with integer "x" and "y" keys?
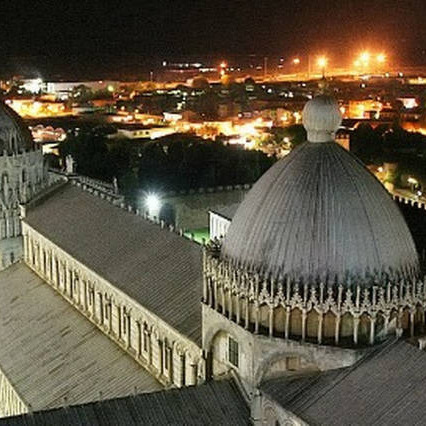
{"x": 321, "y": 119}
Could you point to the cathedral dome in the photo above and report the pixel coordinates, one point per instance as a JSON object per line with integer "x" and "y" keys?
{"x": 320, "y": 214}
{"x": 15, "y": 136}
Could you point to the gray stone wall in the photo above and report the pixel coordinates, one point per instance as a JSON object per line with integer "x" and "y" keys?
{"x": 263, "y": 357}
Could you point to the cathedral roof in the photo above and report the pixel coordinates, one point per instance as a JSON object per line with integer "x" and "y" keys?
{"x": 53, "y": 355}
{"x": 157, "y": 268}
{"x": 319, "y": 213}
{"x": 384, "y": 388}
{"x": 15, "y": 136}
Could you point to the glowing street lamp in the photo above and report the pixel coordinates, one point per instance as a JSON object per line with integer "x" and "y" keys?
{"x": 365, "y": 58}
{"x": 153, "y": 204}
{"x": 222, "y": 68}
{"x": 296, "y": 61}
{"x": 381, "y": 58}
{"x": 322, "y": 62}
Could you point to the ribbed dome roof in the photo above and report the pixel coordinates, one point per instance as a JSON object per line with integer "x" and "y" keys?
{"x": 317, "y": 214}
{"x": 15, "y": 136}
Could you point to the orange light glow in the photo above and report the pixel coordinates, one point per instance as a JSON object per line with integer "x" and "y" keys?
{"x": 365, "y": 58}
{"x": 381, "y": 58}
{"x": 296, "y": 61}
{"x": 322, "y": 62}
{"x": 223, "y": 64}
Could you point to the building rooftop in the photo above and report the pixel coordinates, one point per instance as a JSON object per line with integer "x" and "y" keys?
{"x": 213, "y": 403}
{"x": 157, "y": 268}
{"x": 227, "y": 212}
{"x": 386, "y": 387}
{"x": 49, "y": 352}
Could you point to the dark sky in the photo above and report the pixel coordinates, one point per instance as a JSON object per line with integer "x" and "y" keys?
{"x": 98, "y": 29}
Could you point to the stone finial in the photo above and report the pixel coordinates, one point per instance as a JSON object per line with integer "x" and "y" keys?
{"x": 321, "y": 118}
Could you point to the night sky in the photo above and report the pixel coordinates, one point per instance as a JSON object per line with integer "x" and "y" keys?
{"x": 163, "y": 28}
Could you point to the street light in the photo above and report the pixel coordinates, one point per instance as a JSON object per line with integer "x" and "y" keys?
{"x": 381, "y": 58}
{"x": 222, "y": 68}
{"x": 322, "y": 63}
{"x": 296, "y": 61}
{"x": 153, "y": 204}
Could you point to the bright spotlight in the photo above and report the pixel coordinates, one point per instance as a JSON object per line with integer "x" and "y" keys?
{"x": 152, "y": 202}
{"x": 365, "y": 57}
{"x": 381, "y": 58}
{"x": 322, "y": 62}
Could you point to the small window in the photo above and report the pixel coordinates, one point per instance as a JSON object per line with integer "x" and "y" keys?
{"x": 168, "y": 358}
{"x": 233, "y": 351}
{"x": 293, "y": 363}
{"x": 145, "y": 340}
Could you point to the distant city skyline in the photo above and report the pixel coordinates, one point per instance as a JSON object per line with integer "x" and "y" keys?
{"x": 63, "y": 32}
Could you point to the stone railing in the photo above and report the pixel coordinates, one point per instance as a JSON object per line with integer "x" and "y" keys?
{"x": 209, "y": 190}
{"x": 405, "y": 200}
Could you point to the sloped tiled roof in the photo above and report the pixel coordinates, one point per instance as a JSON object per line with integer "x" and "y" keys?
{"x": 49, "y": 352}
{"x": 159, "y": 269}
{"x": 213, "y": 403}
{"x": 387, "y": 387}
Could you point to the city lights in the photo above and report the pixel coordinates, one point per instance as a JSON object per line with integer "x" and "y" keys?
{"x": 322, "y": 62}
{"x": 296, "y": 61}
{"x": 365, "y": 58}
{"x": 369, "y": 62}
{"x": 381, "y": 58}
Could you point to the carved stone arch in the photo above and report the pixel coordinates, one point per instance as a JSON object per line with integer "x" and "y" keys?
{"x": 347, "y": 327}
{"x": 312, "y": 321}
{"x": 381, "y": 325}
{"x": 269, "y": 415}
{"x": 329, "y": 326}
{"x": 278, "y": 363}
{"x": 264, "y": 313}
{"x": 364, "y": 328}
{"x": 4, "y": 180}
{"x": 405, "y": 320}
{"x": 178, "y": 348}
{"x": 296, "y": 322}
{"x": 155, "y": 334}
{"x": 279, "y": 320}
{"x": 419, "y": 319}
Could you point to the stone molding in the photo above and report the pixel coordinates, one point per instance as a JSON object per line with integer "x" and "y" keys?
{"x": 226, "y": 287}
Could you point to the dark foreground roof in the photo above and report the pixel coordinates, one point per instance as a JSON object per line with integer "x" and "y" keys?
{"x": 158, "y": 268}
{"x": 213, "y": 403}
{"x": 49, "y": 352}
{"x": 387, "y": 387}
